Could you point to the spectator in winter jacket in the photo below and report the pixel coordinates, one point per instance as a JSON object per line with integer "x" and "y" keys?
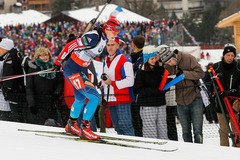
{"x": 137, "y": 59}
{"x": 43, "y": 90}
{"x": 188, "y": 97}
{"x": 13, "y": 90}
{"x": 5, "y": 111}
{"x": 117, "y": 85}
{"x": 171, "y": 105}
{"x": 150, "y": 98}
{"x": 228, "y": 71}
{"x": 137, "y": 55}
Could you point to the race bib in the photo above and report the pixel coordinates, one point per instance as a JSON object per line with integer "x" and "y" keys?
{"x": 77, "y": 81}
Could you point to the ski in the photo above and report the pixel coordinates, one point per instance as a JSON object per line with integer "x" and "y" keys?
{"x": 103, "y": 141}
{"x": 102, "y": 137}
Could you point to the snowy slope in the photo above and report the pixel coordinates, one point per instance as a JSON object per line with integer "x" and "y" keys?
{"x": 16, "y": 145}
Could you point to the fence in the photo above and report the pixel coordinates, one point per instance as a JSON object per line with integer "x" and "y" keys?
{"x": 48, "y": 106}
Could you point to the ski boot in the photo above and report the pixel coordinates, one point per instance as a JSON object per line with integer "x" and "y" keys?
{"x": 86, "y": 132}
{"x": 72, "y": 128}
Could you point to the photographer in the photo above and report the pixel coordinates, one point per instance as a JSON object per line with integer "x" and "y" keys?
{"x": 117, "y": 83}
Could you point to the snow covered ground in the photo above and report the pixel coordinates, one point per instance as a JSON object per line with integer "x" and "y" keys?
{"x": 215, "y": 56}
{"x": 18, "y": 145}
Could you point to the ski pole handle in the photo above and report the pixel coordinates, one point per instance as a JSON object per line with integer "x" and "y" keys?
{"x": 90, "y": 24}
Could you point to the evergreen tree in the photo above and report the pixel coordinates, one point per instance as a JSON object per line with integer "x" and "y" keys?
{"x": 190, "y": 24}
{"x": 210, "y": 19}
{"x": 173, "y": 15}
{"x": 61, "y": 5}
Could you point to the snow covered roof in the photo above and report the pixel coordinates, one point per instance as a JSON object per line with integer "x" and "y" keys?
{"x": 230, "y": 20}
{"x": 87, "y": 14}
{"x": 26, "y": 17}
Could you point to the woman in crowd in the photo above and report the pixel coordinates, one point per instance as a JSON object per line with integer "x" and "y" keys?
{"x": 151, "y": 100}
{"x": 43, "y": 90}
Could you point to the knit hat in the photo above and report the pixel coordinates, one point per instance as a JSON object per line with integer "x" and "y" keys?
{"x": 113, "y": 25}
{"x": 166, "y": 55}
{"x": 229, "y": 48}
{"x": 158, "y": 48}
{"x": 6, "y": 44}
{"x": 148, "y": 52}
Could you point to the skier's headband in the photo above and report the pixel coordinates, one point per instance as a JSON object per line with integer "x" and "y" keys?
{"x": 113, "y": 25}
{"x": 113, "y": 28}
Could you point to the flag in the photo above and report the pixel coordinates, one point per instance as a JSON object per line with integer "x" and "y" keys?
{"x": 52, "y": 45}
{"x": 115, "y": 12}
{"x": 47, "y": 42}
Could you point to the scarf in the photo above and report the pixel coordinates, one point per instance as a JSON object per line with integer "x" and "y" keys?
{"x": 44, "y": 66}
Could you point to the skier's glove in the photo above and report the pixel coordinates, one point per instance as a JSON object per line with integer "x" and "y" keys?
{"x": 57, "y": 67}
{"x": 227, "y": 93}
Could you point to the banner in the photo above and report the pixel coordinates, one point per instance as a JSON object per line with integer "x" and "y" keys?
{"x": 190, "y": 36}
{"x": 115, "y": 12}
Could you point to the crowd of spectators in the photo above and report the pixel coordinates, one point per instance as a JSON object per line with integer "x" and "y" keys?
{"x": 54, "y": 35}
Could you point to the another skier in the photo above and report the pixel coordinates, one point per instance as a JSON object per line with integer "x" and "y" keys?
{"x": 78, "y": 54}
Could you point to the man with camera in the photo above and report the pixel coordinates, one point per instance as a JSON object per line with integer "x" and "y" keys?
{"x": 118, "y": 80}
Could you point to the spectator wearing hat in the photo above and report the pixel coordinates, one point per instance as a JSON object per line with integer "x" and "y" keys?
{"x": 118, "y": 87}
{"x": 151, "y": 100}
{"x": 228, "y": 71}
{"x": 13, "y": 90}
{"x": 188, "y": 97}
{"x": 171, "y": 105}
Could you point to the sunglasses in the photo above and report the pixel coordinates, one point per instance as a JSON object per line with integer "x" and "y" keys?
{"x": 110, "y": 27}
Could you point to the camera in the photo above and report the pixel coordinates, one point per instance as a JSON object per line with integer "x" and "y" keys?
{"x": 104, "y": 76}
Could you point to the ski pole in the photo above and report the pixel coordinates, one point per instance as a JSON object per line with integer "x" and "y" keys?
{"x": 90, "y": 24}
{"x": 23, "y": 75}
{"x": 227, "y": 103}
{"x": 222, "y": 110}
{"x": 93, "y": 21}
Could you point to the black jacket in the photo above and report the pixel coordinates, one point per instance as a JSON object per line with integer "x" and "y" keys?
{"x": 14, "y": 88}
{"x": 146, "y": 86}
{"x": 137, "y": 59}
{"x": 228, "y": 75}
{"x": 42, "y": 89}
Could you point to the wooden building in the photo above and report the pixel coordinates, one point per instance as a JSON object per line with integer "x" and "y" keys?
{"x": 233, "y": 20}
